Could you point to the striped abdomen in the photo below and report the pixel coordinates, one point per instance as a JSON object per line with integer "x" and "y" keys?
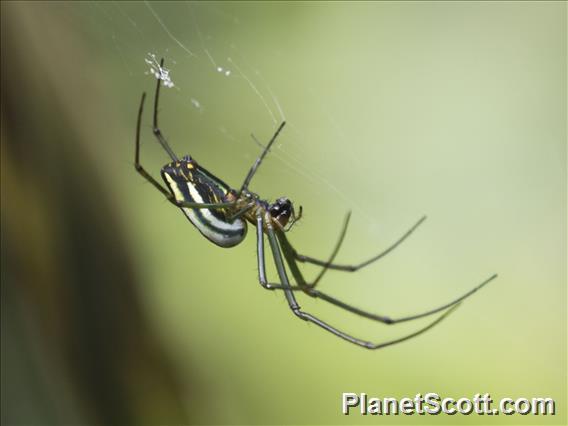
{"x": 190, "y": 183}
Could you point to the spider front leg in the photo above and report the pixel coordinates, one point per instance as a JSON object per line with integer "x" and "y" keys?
{"x": 261, "y": 222}
{"x": 353, "y": 268}
{"x": 311, "y": 291}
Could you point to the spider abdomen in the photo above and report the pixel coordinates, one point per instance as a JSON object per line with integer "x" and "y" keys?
{"x": 191, "y": 183}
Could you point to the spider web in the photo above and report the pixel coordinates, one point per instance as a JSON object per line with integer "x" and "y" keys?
{"x": 424, "y": 115}
{"x": 215, "y": 66}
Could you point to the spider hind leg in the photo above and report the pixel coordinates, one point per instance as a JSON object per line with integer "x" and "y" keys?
{"x": 137, "y": 165}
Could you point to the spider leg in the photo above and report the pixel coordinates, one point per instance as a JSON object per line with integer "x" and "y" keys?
{"x": 288, "y": 247}
{"x": 381, "y": 318}
{"x": 156, "y": 128}
{"x": 260, "y": 251}
{"x": 193, "y": 205}
{"x": 353, "y": 268}
{"x": 294, "y": 219}
{"x": 241, "y": 212}
{"x": 293, "y": 304}
{"x": 173, "y": 156}
{"x": 311, "y": 291}
{"x": 137, "y": 164}
{"x": 256, "y": 164}
{"x": 140, "y": 169}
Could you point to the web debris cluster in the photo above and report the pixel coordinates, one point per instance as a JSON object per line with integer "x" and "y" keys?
{"x": 161, "y": 73}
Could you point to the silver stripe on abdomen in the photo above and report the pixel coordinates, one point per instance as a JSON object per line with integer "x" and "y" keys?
{"x": 222, "y": 233}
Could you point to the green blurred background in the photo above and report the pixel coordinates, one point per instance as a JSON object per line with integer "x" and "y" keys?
{"x": 116, "y": 310}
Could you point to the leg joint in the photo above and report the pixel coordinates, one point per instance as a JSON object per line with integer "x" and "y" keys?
{"x": 300, "y": 314}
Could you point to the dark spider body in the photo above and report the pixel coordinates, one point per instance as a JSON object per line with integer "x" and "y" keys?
{"x": 189, "y": 182}
{"x": 221, "y": 213}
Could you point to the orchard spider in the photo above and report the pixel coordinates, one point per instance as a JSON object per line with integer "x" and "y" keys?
{"x": 221, "y": 213}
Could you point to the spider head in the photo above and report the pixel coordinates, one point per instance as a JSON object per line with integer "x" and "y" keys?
{"x": 282, "y": 210}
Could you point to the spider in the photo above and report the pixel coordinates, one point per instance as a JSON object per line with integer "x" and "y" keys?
{"x": 221, "y": 213}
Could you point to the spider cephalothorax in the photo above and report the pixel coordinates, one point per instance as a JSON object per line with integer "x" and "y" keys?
{"x": 221, "y": 213}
